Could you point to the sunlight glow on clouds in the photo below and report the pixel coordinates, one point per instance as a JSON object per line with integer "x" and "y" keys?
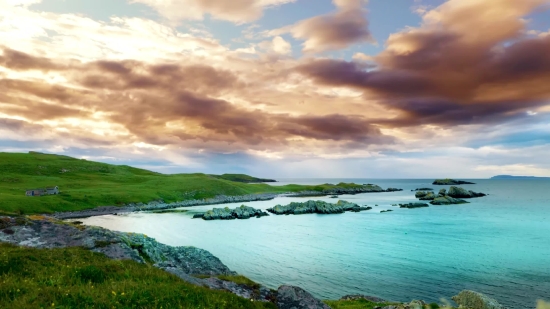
{"x": 471, "y": 73}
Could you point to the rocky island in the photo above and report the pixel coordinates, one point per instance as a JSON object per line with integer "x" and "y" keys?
{"x": 453, "y": 196}
{"x": 448, "y": 182}
{"x": 242, "y": 212}
{"x": 318, "y": 207}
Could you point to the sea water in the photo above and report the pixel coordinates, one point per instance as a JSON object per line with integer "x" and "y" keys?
{"x": 498, "y": 245}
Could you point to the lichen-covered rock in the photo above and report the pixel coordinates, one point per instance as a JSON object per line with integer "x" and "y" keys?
{"x": 458, "y": 192}
{"x": 447, "y": 200}
{"x": 242, "y": 212}
{"x": 292, "y": 297}
{"x": 420, "y": 194}
{"x": 318, "y": 207}
{"x": 428, "y": 197}
{"x": 475, "y": 300}
{"x": 442, "y": 192}
{"x": 413, "y": 205}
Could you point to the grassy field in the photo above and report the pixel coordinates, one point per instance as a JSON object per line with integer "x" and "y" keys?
{"x": 86, "y": 184}
{"x": 78, "y": 278}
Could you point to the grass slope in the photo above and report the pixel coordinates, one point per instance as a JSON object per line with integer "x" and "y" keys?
{"x": 86, "y": 184}
{"x": 78, "y": 278}
{"x": 243, "y": 178}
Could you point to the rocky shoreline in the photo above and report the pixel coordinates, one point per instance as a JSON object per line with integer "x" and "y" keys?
{"x": 220, "y": 199}
{"x": 193, "y": 265}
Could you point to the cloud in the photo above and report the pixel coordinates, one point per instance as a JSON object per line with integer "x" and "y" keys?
{"x": 338, "y": 30}
{"x": 277, "y": 45}
{"x": 454, "y": 69}
{"x": 238, "y": 11}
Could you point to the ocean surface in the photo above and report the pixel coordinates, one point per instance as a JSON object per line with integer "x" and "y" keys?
{"x": 498, "y": 245}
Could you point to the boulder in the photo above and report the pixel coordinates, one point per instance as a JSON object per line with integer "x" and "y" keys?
{"x": 442, "y": 192}
{"x": 242, "y": 212}
{"x": 447, "y": 200}
{"x": 428, "y": 197}
{"x": 393, "y": 190}
{"x": 420, "y": 194}
{"x": 292, "y": 297}
{"x": 197, "y": 216}
{"x": 423, "y": 189}
{"x": 413, "y": 205}
{"x": 475, "y": 300}
{"x": 458, "y": 192}
{"x": 386, "y": 210}
{"x": 318, "y": 207}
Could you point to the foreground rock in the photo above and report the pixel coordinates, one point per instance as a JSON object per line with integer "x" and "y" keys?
{"x": 48, "y": 233}
{"x": 242, "y": 212}
{"x": 458, "y": 192}
{"x": 292, "y": 297}
{"x": 475, "y": 300}
{"x": 413, "y": 205}
{"x": 447, "y": 200}
{"x": 450, "y": 182}
{"x": 318, "y": 207}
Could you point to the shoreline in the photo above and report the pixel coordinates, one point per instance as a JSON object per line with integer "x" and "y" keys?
{"x": 220, "y": 199}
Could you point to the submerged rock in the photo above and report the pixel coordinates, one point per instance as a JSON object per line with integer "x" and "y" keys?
{"x": 423, "y": 189}
{"x": 292, "y": 297}
{"x": 447, "y": 200}
{"x": 242, "y": 212}
{"x": 386, "y": 210}
{"x": 318, "y": 207}
{"x": 413, "y": 205}
{"x": 458, "y": 192}
{"x": 393, "y": 190}
{"x": 475, "y": 300}
{"x": 450, "y": 182}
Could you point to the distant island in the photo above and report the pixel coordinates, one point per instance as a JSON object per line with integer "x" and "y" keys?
{"x": 517, "y": 177}
{"x": 451, "y": 182}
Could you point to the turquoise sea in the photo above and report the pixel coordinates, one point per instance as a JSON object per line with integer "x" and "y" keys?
{"x": 498, "y": 245}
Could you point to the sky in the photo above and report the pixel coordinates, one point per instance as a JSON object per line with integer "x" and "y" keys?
{"x": 281, "y": 88}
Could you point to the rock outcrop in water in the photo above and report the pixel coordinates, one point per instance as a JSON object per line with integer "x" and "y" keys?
{"x": 425, "y": 196}
{"x": 318, "y": 207}
{"x": 413, "y": 205}
{"x": 450, "y": 182}
{"x": 447, "y": 200}
{"x": 458, "y": 192}
{"x": 242, "y": 212}
{"x": 423, "y": 189}
{"x": 475, "y": 300}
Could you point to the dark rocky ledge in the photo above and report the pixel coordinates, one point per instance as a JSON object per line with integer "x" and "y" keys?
{"x": 317, "y": 207}
{"x": 242, "y": 212}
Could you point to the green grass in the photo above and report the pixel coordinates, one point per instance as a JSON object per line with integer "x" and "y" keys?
{"x": 86, "y": 184}
{"x": 242, "y": 178}
{"x": 78, "y": 278}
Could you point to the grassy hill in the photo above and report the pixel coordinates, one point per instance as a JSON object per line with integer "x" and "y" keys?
{"x": 78, "y": 278}
{"x": 86, "y": 184}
